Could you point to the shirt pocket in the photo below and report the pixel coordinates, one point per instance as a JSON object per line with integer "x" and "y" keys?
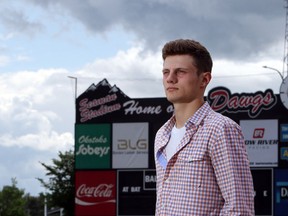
{"x": 191, "y": 169}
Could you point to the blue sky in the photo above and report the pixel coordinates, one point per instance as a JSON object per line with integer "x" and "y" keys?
{"x": 47, "y": 40}
{"x": 44, "y": 42}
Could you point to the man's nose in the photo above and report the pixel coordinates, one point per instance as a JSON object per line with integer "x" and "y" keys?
{"x": 171, "y": 78}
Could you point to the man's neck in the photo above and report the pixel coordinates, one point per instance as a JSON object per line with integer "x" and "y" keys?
{"x": 183, "y": 111}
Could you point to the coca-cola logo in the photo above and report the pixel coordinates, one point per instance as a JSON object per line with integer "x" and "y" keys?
{"x": 102, "y": 193}
{"x": 221, "y": 100}
{"x": 102, "y": 190}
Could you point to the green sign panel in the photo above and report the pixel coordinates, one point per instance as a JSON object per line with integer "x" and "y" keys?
{"x": 92, "y": 146}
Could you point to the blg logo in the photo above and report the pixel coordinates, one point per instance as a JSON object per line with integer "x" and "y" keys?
{"x": 127, "y": 144}
{"x": 281, "y": 192}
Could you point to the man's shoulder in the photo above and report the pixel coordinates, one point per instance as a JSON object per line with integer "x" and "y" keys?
{"x": 220, "y": 119}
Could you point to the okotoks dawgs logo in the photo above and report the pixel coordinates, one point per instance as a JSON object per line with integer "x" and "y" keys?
{"x": 221, "y": 100}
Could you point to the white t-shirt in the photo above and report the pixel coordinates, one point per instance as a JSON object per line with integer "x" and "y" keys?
{"x": 175, "y": 139}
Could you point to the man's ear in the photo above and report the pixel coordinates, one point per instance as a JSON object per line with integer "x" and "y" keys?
{"x": 206, "y": 79}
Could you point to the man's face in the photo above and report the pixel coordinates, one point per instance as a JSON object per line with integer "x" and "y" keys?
{"x": 181, "y": 82}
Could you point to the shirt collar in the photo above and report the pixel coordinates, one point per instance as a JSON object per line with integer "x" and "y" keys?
{"x": 199, "y": 115}
{"x": 193, "y": 123}
{"x": 194, "y": 120}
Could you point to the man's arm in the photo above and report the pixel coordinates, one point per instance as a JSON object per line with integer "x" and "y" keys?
{"x": 231, "y": 166}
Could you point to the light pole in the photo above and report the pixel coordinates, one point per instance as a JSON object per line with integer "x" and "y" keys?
{"x": 45, "y": 206}
{"x": 275, "y": 70}
{"x": 75, "y": 78}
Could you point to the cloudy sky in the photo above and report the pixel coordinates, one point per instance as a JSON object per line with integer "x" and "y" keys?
{"x": 44, "y": 42}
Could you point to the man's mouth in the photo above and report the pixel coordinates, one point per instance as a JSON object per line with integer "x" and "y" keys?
{"x": 171, "y": 89}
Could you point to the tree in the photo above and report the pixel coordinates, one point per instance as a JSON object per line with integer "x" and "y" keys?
{"x": 61, "y": 182}
{"x": 35, "y": 205}
{"x": 12, "y": 201}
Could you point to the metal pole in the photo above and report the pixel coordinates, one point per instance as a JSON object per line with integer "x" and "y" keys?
{"x": 281, "y": 75}
{"x": 285, "y": 60}
{"x": 75, "y": 79}
{"x": 45, "y": 206}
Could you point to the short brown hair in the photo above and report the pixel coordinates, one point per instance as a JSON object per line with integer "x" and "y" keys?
{"x": 193, "y": 48}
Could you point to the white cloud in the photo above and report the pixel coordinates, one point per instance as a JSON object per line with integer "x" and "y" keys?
{"x": 32, "y": 108}
{"x": 245, "y": 77}
{"x": 136, "y": 72}
{"x": 43, "y": 141}
{"x": 36, "y": 121}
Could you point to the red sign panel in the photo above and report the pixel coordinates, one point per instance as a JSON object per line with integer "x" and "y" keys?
{"x": 95, "y": 193}
{"x": 258, "y": 133}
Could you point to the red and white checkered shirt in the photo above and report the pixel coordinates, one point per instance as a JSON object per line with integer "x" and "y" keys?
{"x": 209, "y": 174}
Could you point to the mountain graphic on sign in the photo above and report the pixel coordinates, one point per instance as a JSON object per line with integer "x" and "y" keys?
{"x": 103, "y": 84}
{"x": 103, "y": 88}
{"x": 118, "y": 91}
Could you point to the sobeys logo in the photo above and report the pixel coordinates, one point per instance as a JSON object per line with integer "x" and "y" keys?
{"x": 88, "y": 150}
{"x": 87, "y": 146}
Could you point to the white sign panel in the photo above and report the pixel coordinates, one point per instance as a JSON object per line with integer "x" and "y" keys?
{"x": 130, "y": 145}
{"x": 261, "y": 139}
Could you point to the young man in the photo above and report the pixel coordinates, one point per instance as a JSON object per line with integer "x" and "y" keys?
{"x": 201, "y": 162}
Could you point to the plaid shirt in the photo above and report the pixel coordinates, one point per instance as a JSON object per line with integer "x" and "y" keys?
{"x": 209, "y": 174}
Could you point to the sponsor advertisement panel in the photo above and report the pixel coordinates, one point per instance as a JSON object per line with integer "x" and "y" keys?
{"x": 136, "y": 192}
{"x": 95, "y": 193}
{"x": 261, "y": 140}
{"x": 150, "y": 179}
{"x": 284, "y": 132}
{"x": 281, "y": 192}
{"x": 92, "y": 146}
{"x": 130, "y": 145}
{"x": 284, "y": 153}
{"x": 283, "y": 145}
{"x": 263, "y": 190}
